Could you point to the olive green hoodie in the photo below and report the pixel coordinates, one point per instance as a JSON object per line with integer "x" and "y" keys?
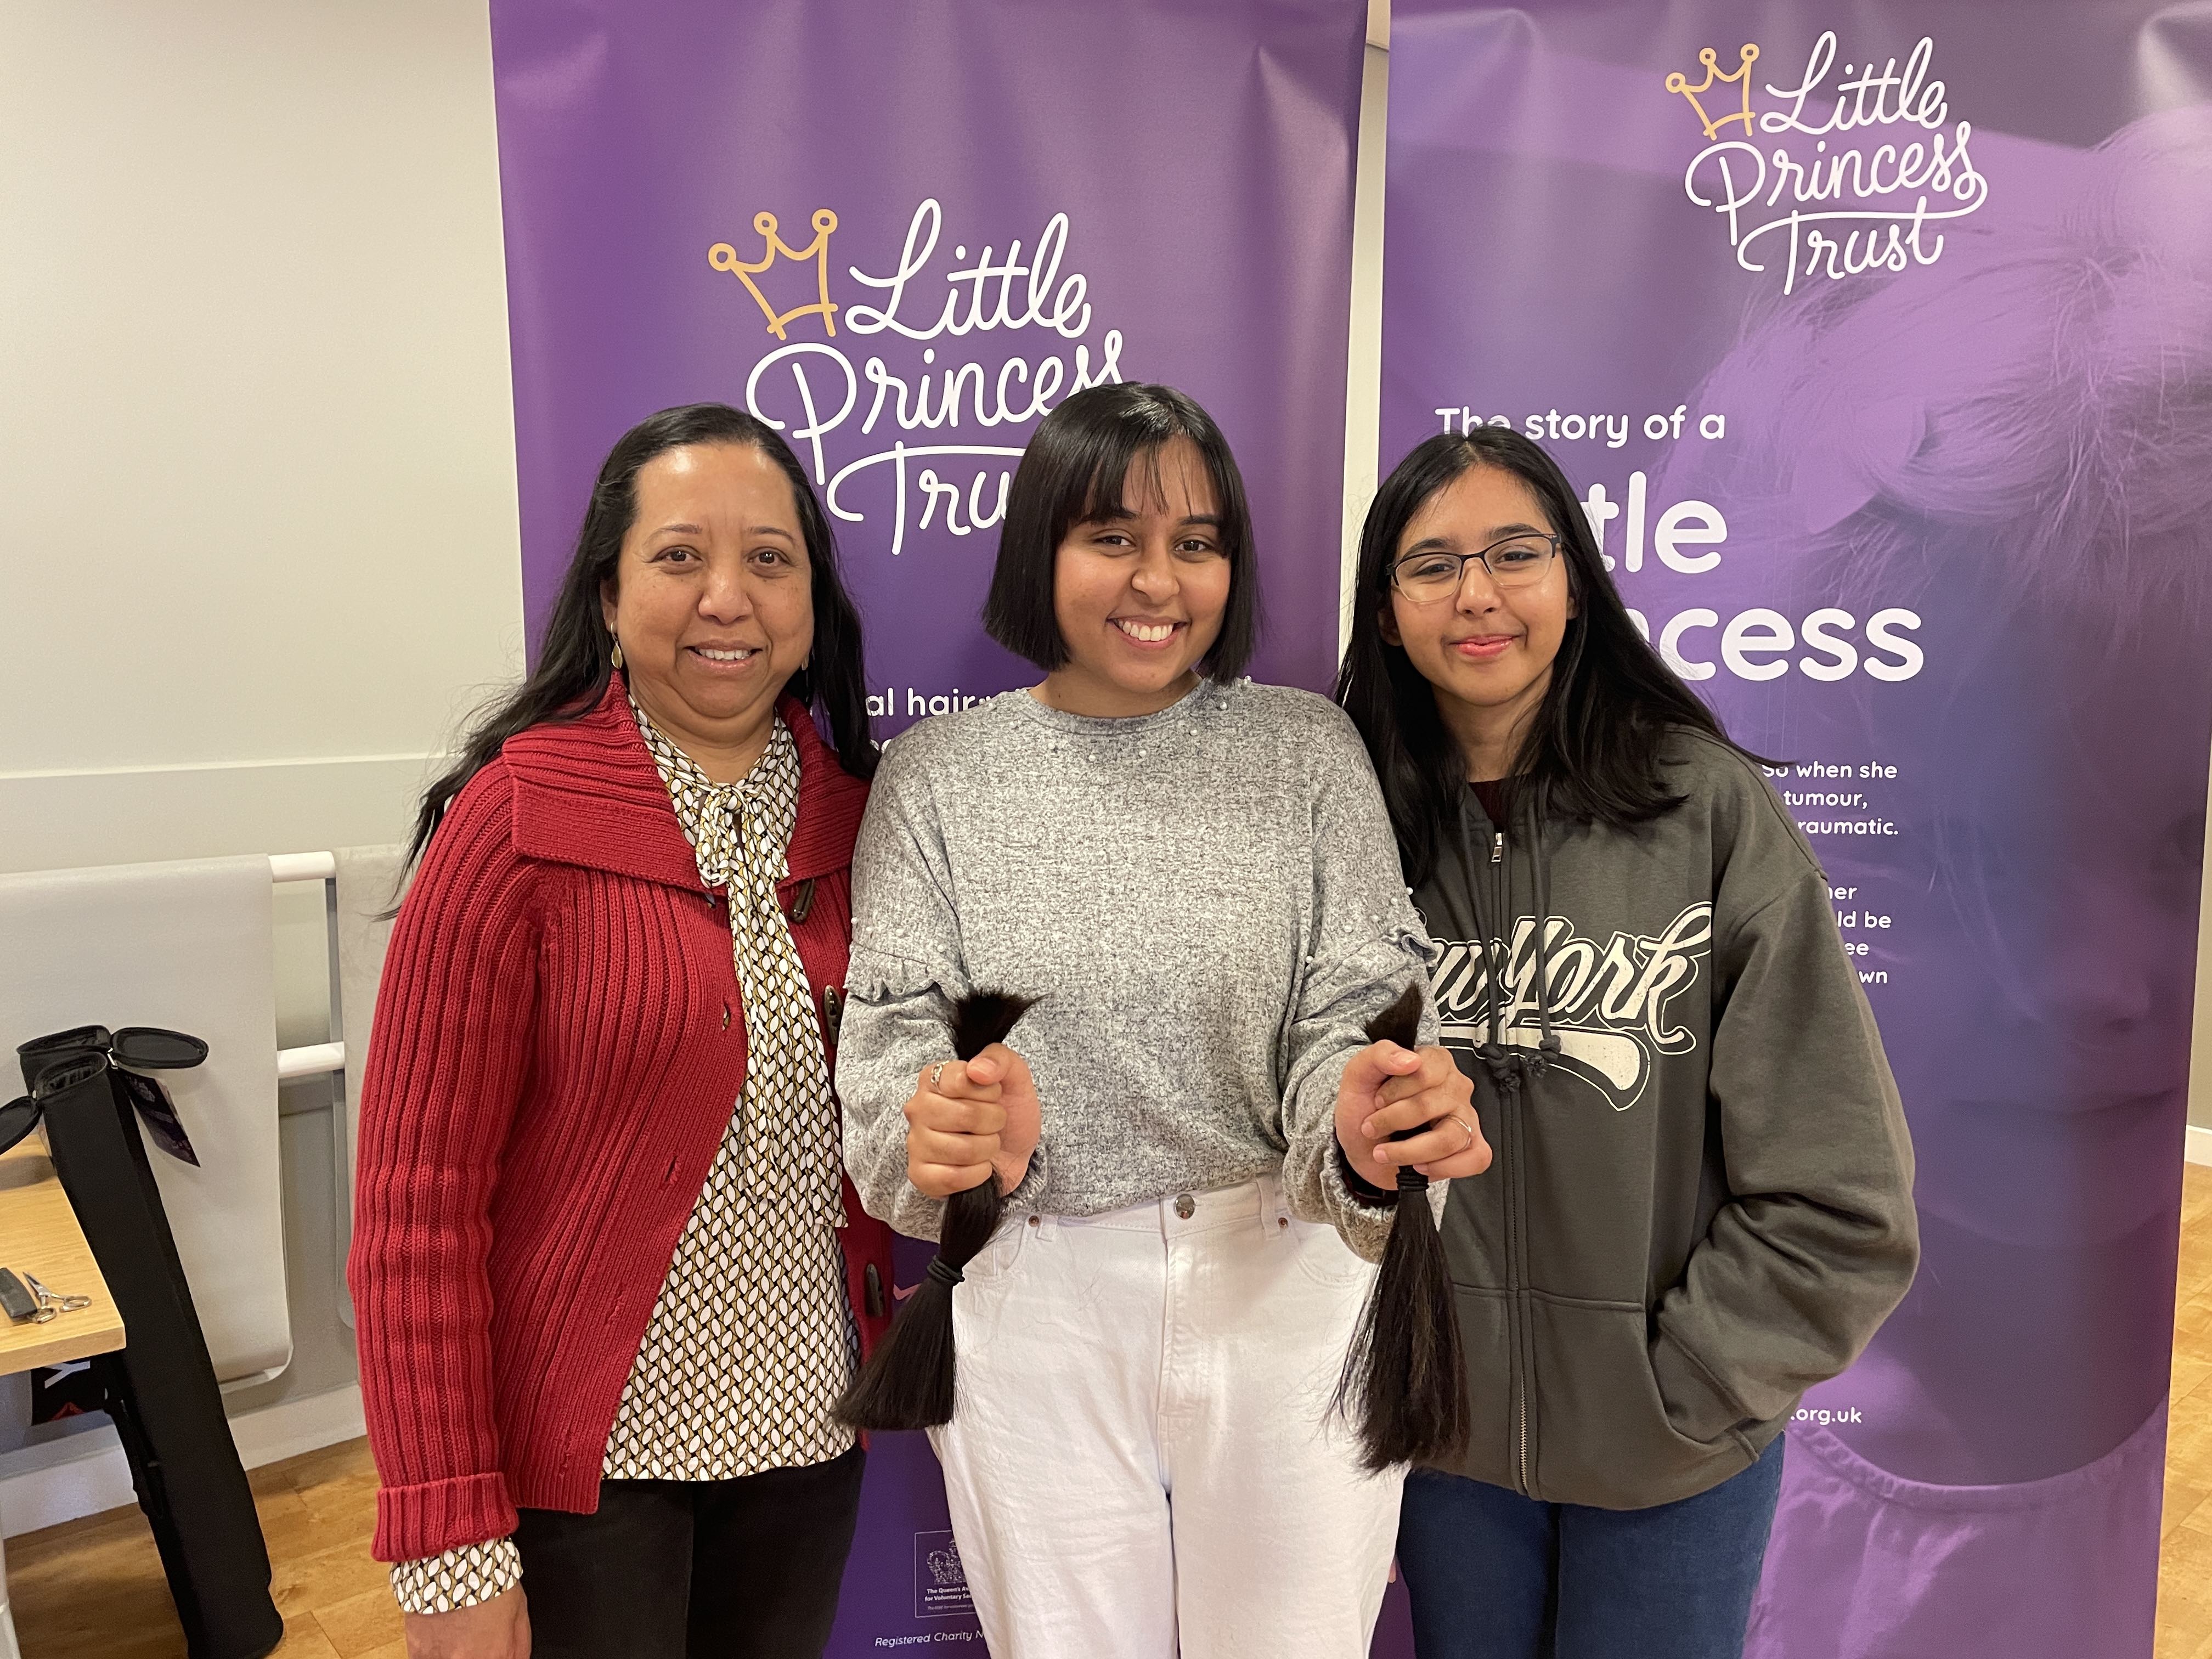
{"x": 1701, "y": 1202}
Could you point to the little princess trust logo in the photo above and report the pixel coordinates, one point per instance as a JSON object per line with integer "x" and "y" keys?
{"x": 723, "y": 257}
{"x": 1835, "y": 179}
{"x": 941, "y": 372}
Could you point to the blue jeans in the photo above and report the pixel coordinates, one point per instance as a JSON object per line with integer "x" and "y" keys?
{"x": 1493, "y": 1574}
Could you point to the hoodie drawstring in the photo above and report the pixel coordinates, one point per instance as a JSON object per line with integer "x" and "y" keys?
{"x": 1540, "y": 854}
{"x": 1510, "y": 1064}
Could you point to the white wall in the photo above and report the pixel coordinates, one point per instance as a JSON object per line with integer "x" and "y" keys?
{"x": 257, "y": 529}
{"x": 256, "y": 477}
{"x": 1363, "y": 391}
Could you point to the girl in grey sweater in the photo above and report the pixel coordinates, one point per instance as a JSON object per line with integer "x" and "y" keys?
{"x": 1195, "y": 877}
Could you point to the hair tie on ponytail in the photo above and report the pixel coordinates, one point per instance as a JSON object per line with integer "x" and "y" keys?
{"x": 1404, "y": 1377}
{"x": 909, "y": 1381}
{"x": 944, "y": 1273}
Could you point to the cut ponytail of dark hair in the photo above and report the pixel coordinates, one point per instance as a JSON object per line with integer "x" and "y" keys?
{"x": 575, "y": 658}
{"x": 1596, "y": 738}
{"x": 911, "y": 1381}
{"x": 1404, "y": 1381}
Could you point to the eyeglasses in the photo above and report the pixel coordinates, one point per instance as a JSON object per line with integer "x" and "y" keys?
{"x": 1427, "y": 577}
{"x": 62, "y": 1060}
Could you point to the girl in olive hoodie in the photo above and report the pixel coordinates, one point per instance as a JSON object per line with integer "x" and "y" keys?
{"x": 1701, "y": 1204}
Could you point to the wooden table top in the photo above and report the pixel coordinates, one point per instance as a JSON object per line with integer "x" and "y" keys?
{"x": 39, "y": 1234}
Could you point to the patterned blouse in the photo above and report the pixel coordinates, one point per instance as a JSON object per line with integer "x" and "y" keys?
{"x": 753, "y": 1340}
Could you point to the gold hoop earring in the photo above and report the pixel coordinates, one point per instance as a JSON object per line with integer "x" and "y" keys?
{"x": 617, "y": 654}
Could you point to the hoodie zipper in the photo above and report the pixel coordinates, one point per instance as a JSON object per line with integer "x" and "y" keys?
{"x": 1489, "y": 895}
{"x": 1520, "y": 1437}
{"x": 1513, "y": 1190}
{"x": 1501, "y": 883}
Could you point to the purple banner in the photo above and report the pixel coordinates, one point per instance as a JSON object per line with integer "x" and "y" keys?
{"x": 903, "y": 233}
{"x": 1880, "y": 340}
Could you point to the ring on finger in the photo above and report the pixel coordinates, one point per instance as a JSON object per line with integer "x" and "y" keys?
{"x": 1469, "y": 1127}
{"x": 937, "y": 1075}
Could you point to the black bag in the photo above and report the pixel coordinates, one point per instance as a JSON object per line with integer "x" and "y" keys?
{"x": 160, "y": 1389}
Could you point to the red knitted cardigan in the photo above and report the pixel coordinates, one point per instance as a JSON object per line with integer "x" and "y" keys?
{"x": 559, "y": 1040}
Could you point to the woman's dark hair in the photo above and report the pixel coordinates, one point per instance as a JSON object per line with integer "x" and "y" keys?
{"x": 1593, "y": 746}
{"x": 1073, "y": 473}
{"x": 575, "y": 660}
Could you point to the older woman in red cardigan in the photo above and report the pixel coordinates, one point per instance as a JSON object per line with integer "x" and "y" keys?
{"x": 608, "y": 1276}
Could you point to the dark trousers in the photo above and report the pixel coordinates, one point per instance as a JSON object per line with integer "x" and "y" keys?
{"x": 744, "y": 1569}
{"x": 1492, "y": 1575}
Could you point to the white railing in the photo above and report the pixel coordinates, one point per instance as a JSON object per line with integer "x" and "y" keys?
{"x": 325, "y": 1059}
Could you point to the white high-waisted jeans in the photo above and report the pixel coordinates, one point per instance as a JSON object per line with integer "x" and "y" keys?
{"x": 1143, "y": 1463}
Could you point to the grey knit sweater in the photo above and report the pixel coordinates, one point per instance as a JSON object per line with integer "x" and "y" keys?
{"x": 1207, "y": 900}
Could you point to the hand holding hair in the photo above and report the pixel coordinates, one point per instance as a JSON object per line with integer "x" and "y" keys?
{"x": 1404, "y": 1377}
{"x": 972, "y": 1124}
{"x": 1427, "y": 1120}
{"x": 1399, "y": 1105}
{"x": 968, "y": 1116}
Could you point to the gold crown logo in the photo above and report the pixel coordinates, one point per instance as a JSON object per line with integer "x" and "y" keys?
{"x": 1679, "y": 83}
{"x": 723, "y": 257}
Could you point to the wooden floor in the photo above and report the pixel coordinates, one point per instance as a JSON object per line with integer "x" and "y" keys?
{"x": 93, "y": 1588}
{"x": 2184, "y": 1564}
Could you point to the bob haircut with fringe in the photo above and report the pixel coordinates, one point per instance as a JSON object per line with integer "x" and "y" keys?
{"x": 1075, "y": 471}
